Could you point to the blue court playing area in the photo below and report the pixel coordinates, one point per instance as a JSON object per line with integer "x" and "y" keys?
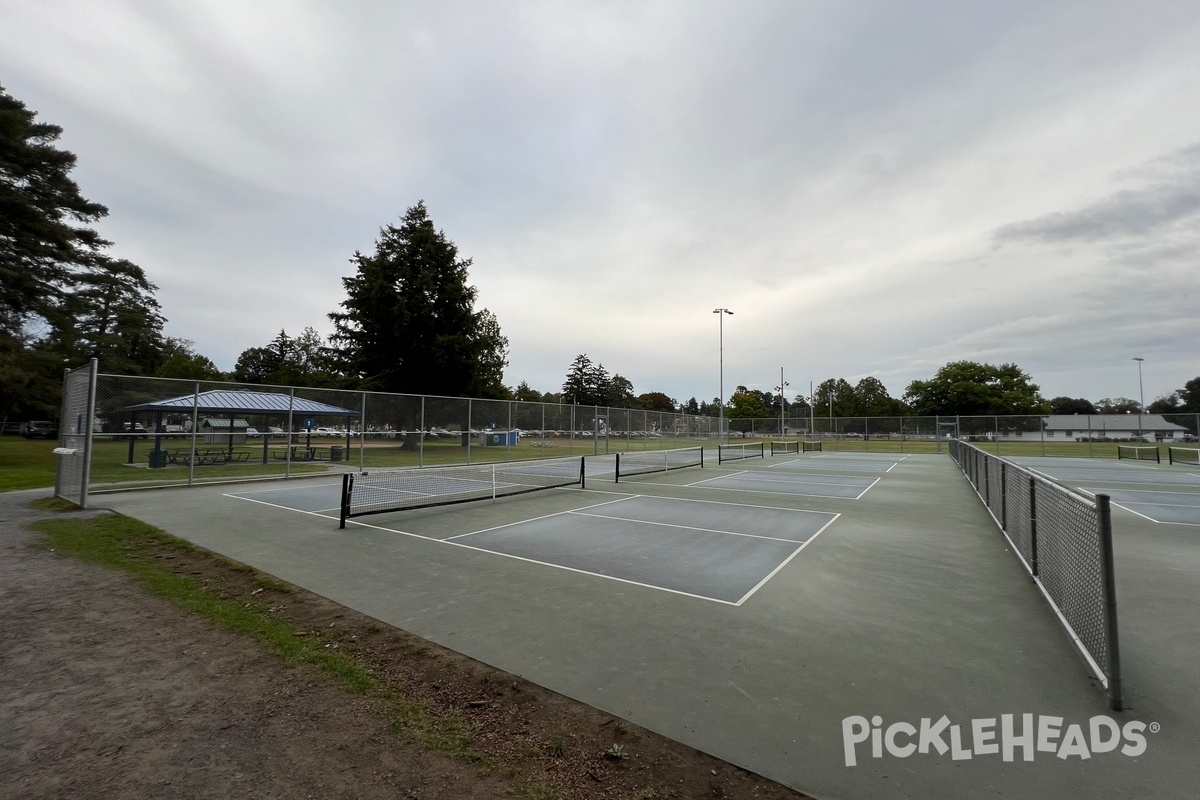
{"x": 710, "y": 550}
{"x": 1159, "y": 492}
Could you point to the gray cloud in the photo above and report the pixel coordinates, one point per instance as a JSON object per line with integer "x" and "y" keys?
{"x": 1172, "y": 197}
{"x": 838, "y": 174}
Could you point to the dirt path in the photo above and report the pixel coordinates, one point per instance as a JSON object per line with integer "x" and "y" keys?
{"x": 109, "y": 692}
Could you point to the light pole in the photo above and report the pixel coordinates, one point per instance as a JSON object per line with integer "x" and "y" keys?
{"x": 782, "y": 403}
{"x": 721, "y": 312}
{"x": 1141, "y": 396}
{"x": 812, "y": 413}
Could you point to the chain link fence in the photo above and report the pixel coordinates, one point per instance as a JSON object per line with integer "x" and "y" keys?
{"x": 150, "y": 432}
{"x": 1064, "y": 539}
{"x": 75, "y": 434}
{"x": 1081, "y": 435}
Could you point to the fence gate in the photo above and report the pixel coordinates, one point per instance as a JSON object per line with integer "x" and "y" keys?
{"x": 74, "y": 451}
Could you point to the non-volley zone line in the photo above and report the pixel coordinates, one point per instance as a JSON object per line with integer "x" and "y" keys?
{"x": 819, "y": 465}
{"x": 703, "y": 549}
{"x": 848, "y": 487}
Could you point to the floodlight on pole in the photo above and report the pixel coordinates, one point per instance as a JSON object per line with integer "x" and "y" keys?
{"x": 721, "y": 312}
{"x": 1141, "y": 395}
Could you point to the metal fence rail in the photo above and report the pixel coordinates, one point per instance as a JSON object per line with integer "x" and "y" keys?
{"x": 1064, "y": 539}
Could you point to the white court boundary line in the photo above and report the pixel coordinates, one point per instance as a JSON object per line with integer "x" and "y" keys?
{"x": 450, "y": 543}
{"x": 697, "y": 485}
{"x": 1164, "y": 505}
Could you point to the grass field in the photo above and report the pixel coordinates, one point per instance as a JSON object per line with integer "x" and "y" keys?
{"x": 26, "y": 463}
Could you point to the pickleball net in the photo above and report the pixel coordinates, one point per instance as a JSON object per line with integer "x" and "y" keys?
{"x": 802, "y": 446}
{"x": 735, "y": 452}
{"x": 1183, "y": 455}
{"x": 644, "y": 462}
{"x": 1149, "y": 453}
{"x": 381, "y": 491}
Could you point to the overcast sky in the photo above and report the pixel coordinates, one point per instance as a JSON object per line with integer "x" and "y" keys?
{"x": 872, "y": 188}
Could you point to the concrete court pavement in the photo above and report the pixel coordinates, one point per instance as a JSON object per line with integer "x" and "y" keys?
{"x": 909, "y": 606}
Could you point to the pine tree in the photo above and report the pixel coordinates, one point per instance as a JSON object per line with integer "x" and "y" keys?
{"x": 409, "y": 323}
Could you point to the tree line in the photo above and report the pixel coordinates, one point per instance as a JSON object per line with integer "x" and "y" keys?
{"x": 409, "y": 322}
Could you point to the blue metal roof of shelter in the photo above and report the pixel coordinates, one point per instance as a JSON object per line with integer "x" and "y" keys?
{"x": 227, "y": 401}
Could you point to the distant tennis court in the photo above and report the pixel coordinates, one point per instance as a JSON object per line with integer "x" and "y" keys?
{"x": 1157, "y": 491}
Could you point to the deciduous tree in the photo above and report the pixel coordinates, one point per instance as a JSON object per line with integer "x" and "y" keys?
{"x": 969, "y": 388}
{"x": 1071, "y": 405}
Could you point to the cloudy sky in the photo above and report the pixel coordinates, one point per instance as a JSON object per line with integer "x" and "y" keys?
{"x": 873, "y": 188}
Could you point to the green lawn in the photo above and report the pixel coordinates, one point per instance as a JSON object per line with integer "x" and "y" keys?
{"x": 26, "y": 463}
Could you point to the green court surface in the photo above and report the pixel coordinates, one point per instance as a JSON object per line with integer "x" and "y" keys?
{"x": 738, "y": 609}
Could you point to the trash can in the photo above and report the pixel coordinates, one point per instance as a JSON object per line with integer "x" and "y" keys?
{"x": 335, "y": 453}
{"x": 158, "y": 458}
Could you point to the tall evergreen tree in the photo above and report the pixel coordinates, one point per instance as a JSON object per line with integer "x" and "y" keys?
{"x": 409, "y": 322}
{"x": 587, "y": 383}
{"x": 61, "y": 299}
{"x": 40, "y": 242}
{"x": 111, "y": 315}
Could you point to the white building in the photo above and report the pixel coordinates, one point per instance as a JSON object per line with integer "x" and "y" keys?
{"x": 1100, "y": 427}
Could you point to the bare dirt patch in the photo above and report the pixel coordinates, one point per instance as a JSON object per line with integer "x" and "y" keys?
{"x": 109, "y": 691}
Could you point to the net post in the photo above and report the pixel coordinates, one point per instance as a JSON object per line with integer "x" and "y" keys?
{"x": 1116, "y": 701}
{"x": 701, "y": 458}
{"x": 617, "y": 477}
{"x": 344, "y": 511}
{"x": 1033, "y": 527}
{"x": 583, "y": 472}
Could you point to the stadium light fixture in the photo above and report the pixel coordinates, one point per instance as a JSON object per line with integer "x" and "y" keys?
{"x": 721, "y": 312}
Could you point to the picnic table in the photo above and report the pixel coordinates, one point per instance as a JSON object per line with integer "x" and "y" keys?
{"x": 300, "y": 452}
{"x": 184, "y": 456}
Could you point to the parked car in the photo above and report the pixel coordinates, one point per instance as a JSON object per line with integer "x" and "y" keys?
{"x": 252, "y": 433}
{"x": 324, "y": 431}
{"x": 136, "y": 428}
{"x": 40, "y": 429}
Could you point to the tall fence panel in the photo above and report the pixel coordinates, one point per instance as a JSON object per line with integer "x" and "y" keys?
{"x": 1064, "y": 539}
{"x": 75, "y": 434}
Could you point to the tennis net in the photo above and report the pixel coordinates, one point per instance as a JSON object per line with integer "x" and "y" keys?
{"x": 1139, "y": 453}
{"x": 811, "y": 447}
{"x": 734, "y": 452}
{"x": 782, "y": 448}
{"x": 643, "y": 462}
{"x": 1183, "y": 455}
{"x": 380, "y": 491}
